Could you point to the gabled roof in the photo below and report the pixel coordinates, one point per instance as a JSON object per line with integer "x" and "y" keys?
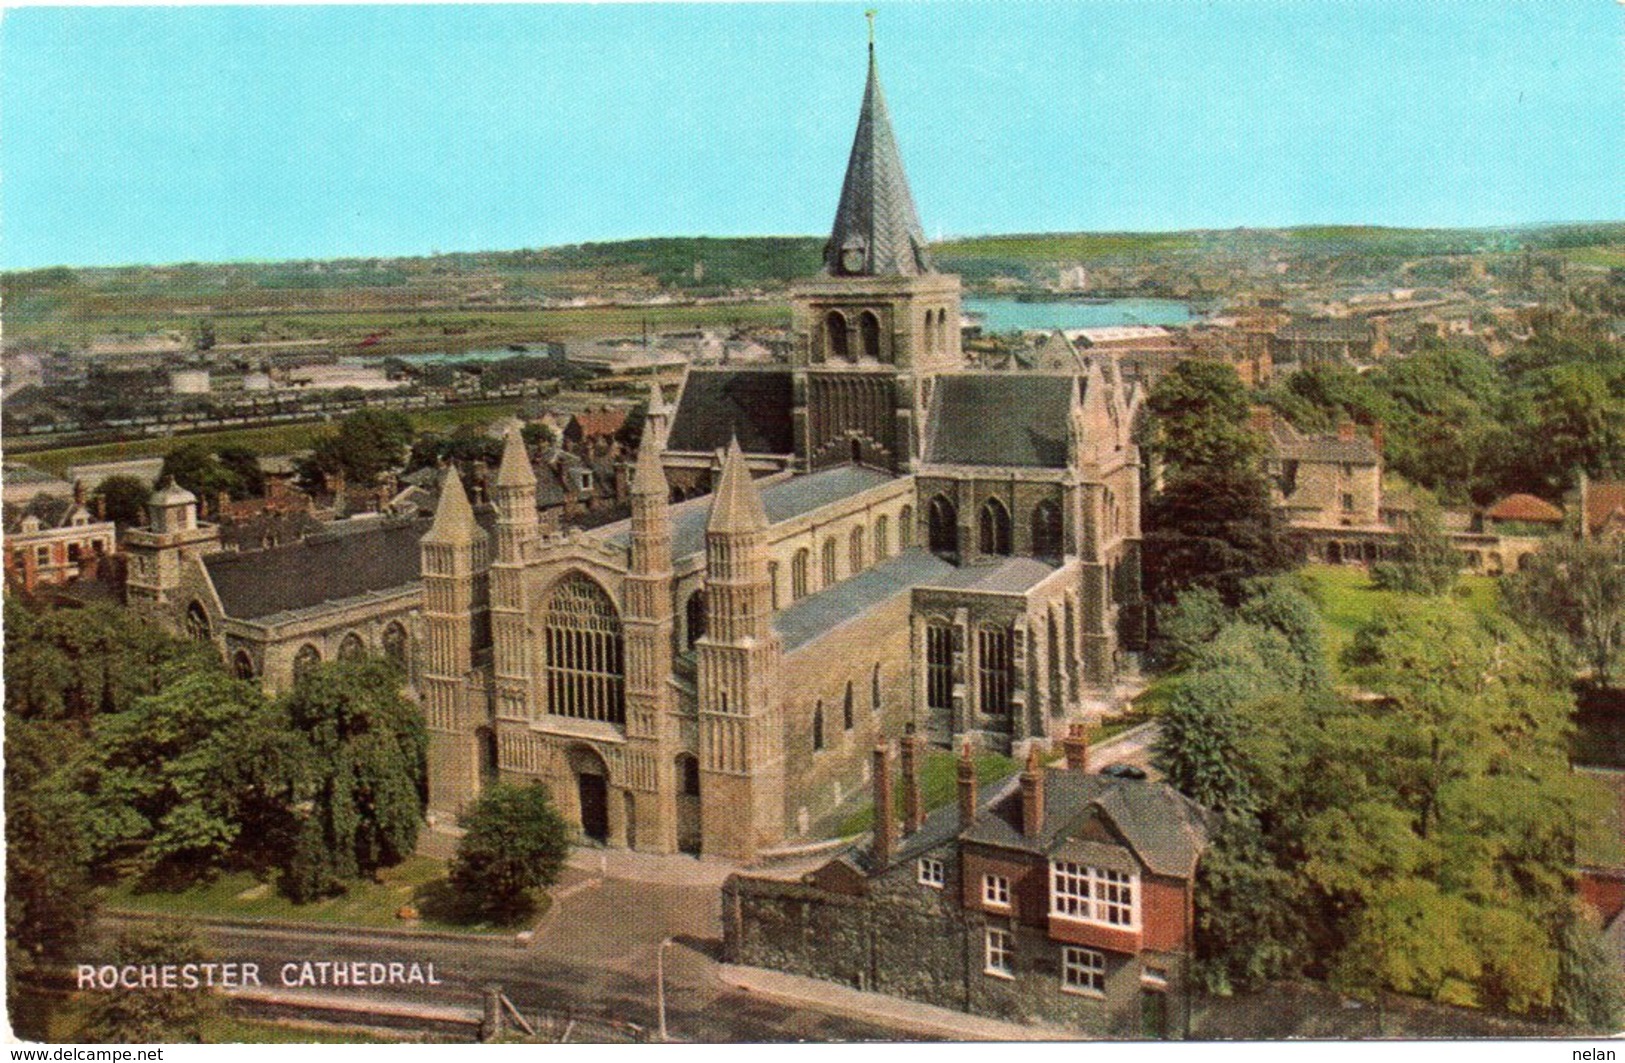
{"x": 1525, "y": 508}
{"x": 877, "y": 231}
{"x": 598, "y": 423}
{"x": 1289, "y": 444}
{"x": 716, "y": 405}
{"x": 322, "y": 568}
{"x": 1029, "y": 431}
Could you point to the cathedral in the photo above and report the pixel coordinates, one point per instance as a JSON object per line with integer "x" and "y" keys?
{"x": 871, "y": 540}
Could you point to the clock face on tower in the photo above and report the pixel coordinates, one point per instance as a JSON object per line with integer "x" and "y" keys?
{"x": 853, "y": 256}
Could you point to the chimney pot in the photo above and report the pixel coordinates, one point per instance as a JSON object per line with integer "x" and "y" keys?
{"x": 1077, "y": 748}
{"x": 1032, "y": 794}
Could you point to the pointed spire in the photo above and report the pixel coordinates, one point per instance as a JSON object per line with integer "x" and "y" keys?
{"x": 657, "y": 400}
{"x": 515, "y": 470}
{"x": 453, "y": 517}
{"x": 737, "y": 506}
{"x": 877, "y": 231}
{"x": 648, "y": 476}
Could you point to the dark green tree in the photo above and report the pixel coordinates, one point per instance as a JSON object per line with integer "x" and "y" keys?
{"x": 1214, "y": 528}
{"x": 1200, "y": 416}
{"x": 367, "y": 443}
{"x": 514, "y": 842}
{"x": 124, "y": 499}
{"x": 1425, "y": 561}
{"x": 197, "y": 469}
{"x": 365, "y": 784}
{"x": 244, "y": 464}
{"x": 1576, "y": 589}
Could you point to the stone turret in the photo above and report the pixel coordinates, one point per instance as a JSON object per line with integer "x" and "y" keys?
{"x": 741, "y": 754}
{"x": 160, "y": 552}
{"x": 518, "y": 529}
{"x": 451, "y": 558}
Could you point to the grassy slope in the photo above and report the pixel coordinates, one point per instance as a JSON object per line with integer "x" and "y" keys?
{"x": 1347, "y": 600}
{"x": 242, "y": 896}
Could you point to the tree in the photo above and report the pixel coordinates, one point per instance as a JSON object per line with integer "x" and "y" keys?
{"x": 1576, "y": 589}
{"x": 155, "y": 1015}
{"x": 196, "y": 468}
{"x": 244, "y": 464}
{"x": 1200, "y": 412}
{"x": 1425, "y": 562}
{"x": 124, "y": 499}
{"x": 1214, "y": 528}
{"x": 514, "y": 842}
{"x": 538, "y": 435}
{"x": 366, "y": 778}
{"x": 367, "y": 443}
{"x": 1590, "y": 989}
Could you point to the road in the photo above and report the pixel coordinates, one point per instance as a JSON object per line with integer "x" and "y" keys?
{"x": 593, "y": 955}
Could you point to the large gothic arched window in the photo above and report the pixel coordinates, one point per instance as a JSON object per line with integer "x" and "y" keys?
{"x": 352, "y": 648}
{"x": 395, "y": 647}
{"x": 993, "y": 523}
{"x": 1047, "y": 530}
{"x": 582, "y": 640}
{"x": 798, "y": 575}
{"x": 905, "y": 527}
{"x": 943, "y": 530}
{"x": 855, "y": 557}
{"x": 197, "y": 622}
{"x": 882, "y": 539}
{"x": 306, "y": 660}
{"x": 242, "y": 665}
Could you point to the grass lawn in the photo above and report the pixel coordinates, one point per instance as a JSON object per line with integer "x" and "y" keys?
{"x": 419, "y": 882}
{"x": 1347, "y": 600}
{"x": 275, "y": 439}
{"x": 68, "y": 1016}
{"x": 938, "y": 785}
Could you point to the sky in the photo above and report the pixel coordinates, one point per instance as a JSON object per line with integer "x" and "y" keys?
{"x": 169, "y": 134}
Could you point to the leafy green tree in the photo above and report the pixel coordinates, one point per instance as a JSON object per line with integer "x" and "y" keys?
{"x": 124, "y": 499}
{"x": 1576, "y": 589}
{"x": 197, "y": 469}
{"x": 367, "y": 443}
{"x": 538, "y": 435}
{"x": 1215, "y": 529}
{"x": 1425, "y": 562}
{"x": 1200, "y": 411}
{"x": 1193, "y": 620}
{"x": 514, "y": 842}
{"x": 1590, "y": 989}
{"x": 244, "y": 464}
{"x": 155, "y": 1016}
{"x": 1278, "y": 605}
{"x": 1250, "y": 922}
{"x": 365, "y": 784}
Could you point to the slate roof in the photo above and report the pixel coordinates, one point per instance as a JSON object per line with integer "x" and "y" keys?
{"x": 323, "y": 568}
{"x": 717, "y": 405}
{"x": 1165, "y": 829}
{"x": 1292, "y": 445}
{"x": 781, "y": 501}
{"x": 1335, "y": 329}
{"x": 812, "y": 616}
{"x": 1030, "y": 429}
{"x": 52, "y": 511}
{"x": 876, "y": 220}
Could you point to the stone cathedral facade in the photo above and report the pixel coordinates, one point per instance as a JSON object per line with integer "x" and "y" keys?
{"x": 872, "y": 539}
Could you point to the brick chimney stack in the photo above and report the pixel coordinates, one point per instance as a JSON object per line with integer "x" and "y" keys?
{"x": 885, "y": 837}
{"x": 1377, "y": 437}
{"x": 913, "y": 800}
{"x": 1032, "y": 794}
{"x": 967, "y": 787}
{"x": 1261, "y": 419}
{"x": 1076, "y": 743}
{"x": 1347, "y": 431}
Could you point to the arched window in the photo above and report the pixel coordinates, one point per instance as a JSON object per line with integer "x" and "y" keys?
{"x": 939, "y": 666}
{"x": 905, "y": 528}
{"x": 943, "y": 526}
{"x": 306, "y": 660}
{"x": 854, "y": 551}
{"x": 874, "y": 689}
{"x": 197, "y": 622}
{"x": 395, "y": 643}
{"x": 582, "y": 638}
{"x": 994, "y": 525}
{"x": 798, "y": 575}
{"x": 694, "y": 615}
{"x": 869, "y": 325}
{"x": 930, "y": 334}
{"x": 352, "y": 648}
{"x": 773, "y": 583}
{"x": 1057, "y": 696}
{"x": 818, "y": 727}
{"x": 1047, "y": 530}
{"x": 829, "y": 562}
{"x": 882, "y": 537}
{"x": 994, "y": 669}
{"x": 835, "y": 340}
{"x": 846, "y": 707}
{"x": 242, "y": 665}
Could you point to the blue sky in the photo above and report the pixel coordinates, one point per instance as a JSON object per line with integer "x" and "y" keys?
{"x": 216, "y": 133}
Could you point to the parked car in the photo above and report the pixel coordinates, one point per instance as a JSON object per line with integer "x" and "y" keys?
{"x": 1123, "y": 771}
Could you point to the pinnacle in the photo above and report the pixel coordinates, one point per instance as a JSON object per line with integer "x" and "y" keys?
{"x": 737, "y": 506}
{"x": 453, "y": 517}
{"x": 515, "y": 470}
{"x": 648, "y": 477}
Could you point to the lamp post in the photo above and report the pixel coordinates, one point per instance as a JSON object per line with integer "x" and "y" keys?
{"x": 660, "y": 986}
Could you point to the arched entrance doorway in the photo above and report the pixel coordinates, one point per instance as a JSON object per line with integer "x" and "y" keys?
{"x": 592, "y": 792}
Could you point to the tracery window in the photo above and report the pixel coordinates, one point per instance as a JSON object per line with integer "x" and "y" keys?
{"x": 939, "y": 666}
{"x": 352, "y": 648}
{"x": 306, "y": 660}
{"x": 798, "y": 575}
{"x": 882, "y": 537}
{"x": 855, "y": 551}
{"x": 994, "y": 670}
{"x": 905, "y": 528}
{"x": 869, "y": 325}
{"x": 395, "y": 647}
{"x": 197, "y": 622}
{"x": 582, "y": 638}
{"x": 994, "y": 524}
{"x": 943, "y": 530}
{"x": 835, "y": 339}
{"x": 829, "y": 562}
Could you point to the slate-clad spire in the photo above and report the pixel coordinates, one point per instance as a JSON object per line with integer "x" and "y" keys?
{"x": 877, "y": 232}
{"x": 453, "y": 517}
{"x": 648, "y": 477}
{"x": 737, "y": 506}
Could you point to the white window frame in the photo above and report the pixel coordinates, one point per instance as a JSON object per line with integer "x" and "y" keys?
{"x": 1100, "y": 897}
{"x": 1083, "y": 971}
{"x": 996, "y": 891}
{"x": 932, "y": 872}
{"x": 998, "y": 952}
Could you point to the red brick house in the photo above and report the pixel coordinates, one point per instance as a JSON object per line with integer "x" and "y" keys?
{"x": 1064, "y": 898}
